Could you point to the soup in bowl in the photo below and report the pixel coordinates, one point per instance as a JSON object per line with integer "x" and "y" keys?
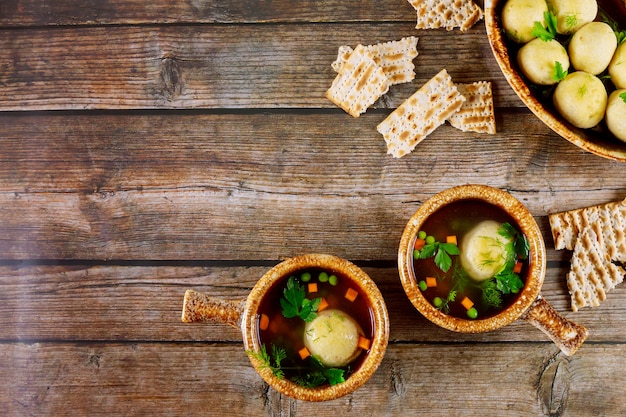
{"x": 315, "y": 326}
{"x": 472, "y": 259}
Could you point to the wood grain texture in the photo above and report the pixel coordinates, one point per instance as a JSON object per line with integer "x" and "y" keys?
{"x": 20, "y": 13}
{"x": 144, "y": 303}
{"x": 198, "y": 186}
{"x": 151, "y": 147}
{"x": 215, "y": 66}
{"x": 179, "y": 378}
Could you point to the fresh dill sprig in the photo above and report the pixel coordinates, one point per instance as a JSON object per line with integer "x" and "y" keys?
{"x": 273, "y": 363}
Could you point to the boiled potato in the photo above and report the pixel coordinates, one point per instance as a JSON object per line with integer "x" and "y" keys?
{"x": 616, "y": 114}
{"x": 581, "y": 99}
{"x": 519, "y": 17}
{"x": 482, "y": 252}
{"x": 333, "y": 338}
{"x": 571, "y": 15}
{"x": 537, "y": 58}
{"x": 617, "y": 67}
{"x": 592, "y": 47}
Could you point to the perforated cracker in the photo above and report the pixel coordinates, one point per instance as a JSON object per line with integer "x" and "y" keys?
{"x": 567, "y": 225}
{"x": 419, "y": 115}
{"x": 476, "y": 114}
{"x": 596, "y": 235}
{"x": 592, "y": 274}
{"x": 359, "y": 83}
{"x": 449, "y": 14}
{"x": 394, "y": 57}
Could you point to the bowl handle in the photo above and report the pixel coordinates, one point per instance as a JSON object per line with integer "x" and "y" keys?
{"x": 566, "y": 334}
{"x": 199, "y": 308}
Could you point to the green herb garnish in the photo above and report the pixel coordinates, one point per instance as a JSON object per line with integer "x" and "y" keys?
{"x": 546, "y": 31}
{"x": 491, "y": 296}
{"x": 266, "y": 361}
{"x": 442, "y": 252}
{"x": 508, "y": 281}
{"x": 520, "y": 247}
{"x": 623, "y": 96}
{"x": 295, "y": 303}
{"x": 558, "y": 74}
{"x": 320, "y": 375}
{"x": 619, "y": 34}
{"x": 571, "y": 20}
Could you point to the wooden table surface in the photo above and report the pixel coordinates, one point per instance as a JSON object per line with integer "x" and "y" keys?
{"x": 151, "y": 147}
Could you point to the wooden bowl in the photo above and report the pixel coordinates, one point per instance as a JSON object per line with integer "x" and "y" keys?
{"x": 598, "y": 141}
{"x": 529, "y": 304}
{"x": 244, "y": 315}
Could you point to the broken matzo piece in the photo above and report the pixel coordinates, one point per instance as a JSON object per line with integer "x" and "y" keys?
{"x": 428, "y": 108}
{"x": 567, "y": 225}
{"x": 449, "y": 14}
{"x": 394, "y": 57}
{"x": 359, "y": 83}
{"x": 592, "y": 274}
{"x": 476, "y": 114}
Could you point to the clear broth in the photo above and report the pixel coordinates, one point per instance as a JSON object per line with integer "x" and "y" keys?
{"x": 458, "y": 218}
{"x": 289, "y": 333}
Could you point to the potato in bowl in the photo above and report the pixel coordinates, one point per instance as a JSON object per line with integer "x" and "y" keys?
{"x": 597, "y": 139}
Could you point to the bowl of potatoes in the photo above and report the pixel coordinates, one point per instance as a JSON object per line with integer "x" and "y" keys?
{"x": 566, "y": 60}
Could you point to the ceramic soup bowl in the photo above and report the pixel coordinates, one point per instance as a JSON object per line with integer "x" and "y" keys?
{"x": 526, "y": 304}
{"x": 246, "y": 315}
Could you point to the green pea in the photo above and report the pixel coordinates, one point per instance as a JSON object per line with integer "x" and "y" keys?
{"x": 421, "y": 234}
{"x": 323, "y": 277}
{"x": 332, "y": 280}
{"x": 422, "y": 285}
{"x": 430, "y": 240}
{"x": 416, "y": 254}
{"x": 437, "y": 302}
{"x": 472, "y": 313}
{"x": 305, "y": 276}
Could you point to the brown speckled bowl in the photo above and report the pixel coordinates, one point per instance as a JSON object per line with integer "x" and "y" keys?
{"x": 597, "y": 141}
{"x": 529, "y": 304}
{"x": 243, "y": 315}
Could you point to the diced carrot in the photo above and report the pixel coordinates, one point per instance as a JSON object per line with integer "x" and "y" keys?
{"x": 322, "y": 305}
{"x": 518, "y": 267}
{"x": 304, "y": 353}
{"x": 351, "y": 294}
{"x": 264, "y": 323}
{"x": 431, "y": 282}
{"x": 467, "y": 303}
{"x": 419, "y": 243}
{"x": 451, "y": 239}
{"x": 312, "y": 286}
{"x": 363, "y": 343}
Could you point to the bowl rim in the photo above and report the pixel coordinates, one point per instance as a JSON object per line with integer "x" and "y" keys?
{"x": 380, "y": 317}
{"x": 562, "y": 128}
{"x": 529, "y": 227}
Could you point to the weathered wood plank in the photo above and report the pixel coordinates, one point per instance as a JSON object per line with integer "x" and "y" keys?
{"x": 143, "y": 303}
{"x": 116, "y": 12}
{"x": 169, "y": 186}
{"x": 216, "y": 66}
{"x": 185, "y": 378}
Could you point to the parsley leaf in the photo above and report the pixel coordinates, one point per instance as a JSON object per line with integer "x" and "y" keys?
{"x": 521, "y": 247}
{"x": 508, "y": 282}
{"x": 442, "y": 252}
{"x": 623, "y": 96}
{"x": 295, "y": 304}
{"x": 559, "y": 73}
{"x": 545, "y": 32}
